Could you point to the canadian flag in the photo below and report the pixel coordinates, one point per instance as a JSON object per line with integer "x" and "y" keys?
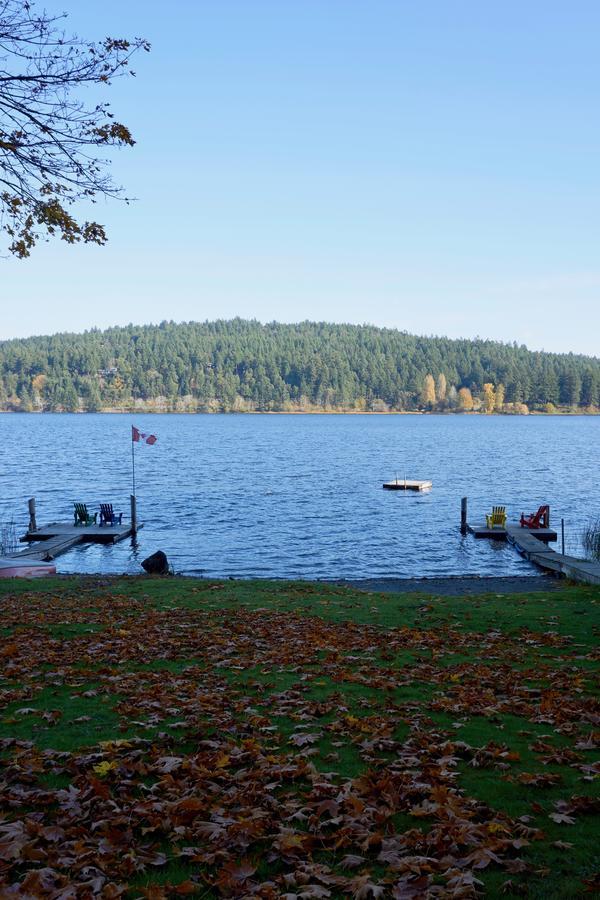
{"x": 138, "y": 436}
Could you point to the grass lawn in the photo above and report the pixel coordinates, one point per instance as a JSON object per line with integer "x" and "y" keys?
{"x": 176, "y": 737}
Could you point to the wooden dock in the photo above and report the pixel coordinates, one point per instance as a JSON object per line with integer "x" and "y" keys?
{"x": 526, "y": 543}
{"x": 501, "y": 534}
{"x": 532, "y": 543}
{"x": 405, "y": 484}
{"x": 51, "y": 540}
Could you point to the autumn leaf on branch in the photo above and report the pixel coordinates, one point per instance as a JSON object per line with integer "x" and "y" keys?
{"x": 50, "y": 139}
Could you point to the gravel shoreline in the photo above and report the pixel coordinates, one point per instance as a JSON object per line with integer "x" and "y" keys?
{"x": 449, "y": 585}
{"x": 457, "y": 585}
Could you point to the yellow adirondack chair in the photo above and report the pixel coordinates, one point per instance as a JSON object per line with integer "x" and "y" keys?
{"x": 497, "y": 517}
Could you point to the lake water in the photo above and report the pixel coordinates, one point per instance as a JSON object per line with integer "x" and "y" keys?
{"x": 301, "y": 496}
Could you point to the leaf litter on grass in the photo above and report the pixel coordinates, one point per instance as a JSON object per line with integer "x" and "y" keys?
{"x": 269, "y": 750}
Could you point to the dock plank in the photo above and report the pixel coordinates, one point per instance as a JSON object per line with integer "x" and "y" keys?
{"x": 532, "y": 543}
{"x": 95, "y": 533}
{"x": 501, "y": 534}
{"x": 572, "y": 567}
{"x": 526, "y": 539}
{"x": 49, "y": 541}
{"x": 50, "y": 548}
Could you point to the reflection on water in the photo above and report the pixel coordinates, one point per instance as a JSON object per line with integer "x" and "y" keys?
{"x": 301, "y": 496}
{"x": 135, "y": 547}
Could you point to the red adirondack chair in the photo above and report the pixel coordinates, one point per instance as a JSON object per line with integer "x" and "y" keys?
{"x": 540, "y": 519}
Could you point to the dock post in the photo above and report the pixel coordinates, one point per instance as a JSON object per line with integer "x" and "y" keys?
{"x": 32, "y": 521}
{"x": 133, "y": 514}
{"x": 463, "y": 516}
{"x": 562, "y": 532}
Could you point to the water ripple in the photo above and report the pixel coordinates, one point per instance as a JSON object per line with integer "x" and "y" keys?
{"x": 301, "y": 496}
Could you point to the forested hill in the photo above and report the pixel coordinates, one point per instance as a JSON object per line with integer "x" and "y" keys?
{"x": 243, "y": 366}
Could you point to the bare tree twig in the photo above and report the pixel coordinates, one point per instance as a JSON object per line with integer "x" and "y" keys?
{"x": 49, "y": 137}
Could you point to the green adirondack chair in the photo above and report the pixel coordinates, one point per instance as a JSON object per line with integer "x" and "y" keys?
{"x": 82, "y": 516}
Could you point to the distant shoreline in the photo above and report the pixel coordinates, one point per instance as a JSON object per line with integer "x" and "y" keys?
{"x": 302, "y": 368}
{"x": 143, "y": 411}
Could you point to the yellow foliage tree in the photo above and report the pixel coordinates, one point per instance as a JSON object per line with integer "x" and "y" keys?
{"x": 465, "y": 399}
{"x": 441, "y": 387}
{"x": 38, "y": 382}
{"x": 489, "y": 398}
{"x": 500, "y": 391}
{"x": 428, "y": 392}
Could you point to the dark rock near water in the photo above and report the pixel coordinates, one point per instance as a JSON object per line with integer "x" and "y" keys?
{"x": 157, "y": 564}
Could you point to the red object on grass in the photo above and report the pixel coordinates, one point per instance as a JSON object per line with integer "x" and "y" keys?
{"x": 540, "y": 519}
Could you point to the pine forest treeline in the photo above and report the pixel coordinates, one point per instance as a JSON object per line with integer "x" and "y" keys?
{"x": 244, "y": 366}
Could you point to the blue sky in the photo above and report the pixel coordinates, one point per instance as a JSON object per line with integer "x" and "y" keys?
{"x": 429, "y": 166}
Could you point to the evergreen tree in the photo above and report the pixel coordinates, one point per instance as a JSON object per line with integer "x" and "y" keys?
{"x": 570, "y": 388}
{"x": 590, "y": 388}
{"x": 239, "y": 364}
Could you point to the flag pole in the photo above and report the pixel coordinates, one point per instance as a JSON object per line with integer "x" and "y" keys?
{"x": 133, "y": 500}
{"x": 133, "y": 463}
{"x": 147, "y": 439}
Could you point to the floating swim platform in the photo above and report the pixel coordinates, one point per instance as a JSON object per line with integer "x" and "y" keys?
{"x": 406, "y": 484}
